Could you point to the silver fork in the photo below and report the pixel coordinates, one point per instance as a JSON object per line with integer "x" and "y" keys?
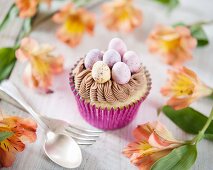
{"x": 82, "y": 136}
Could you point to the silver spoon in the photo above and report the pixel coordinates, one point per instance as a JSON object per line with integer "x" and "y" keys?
{"x": 60, "y": 148}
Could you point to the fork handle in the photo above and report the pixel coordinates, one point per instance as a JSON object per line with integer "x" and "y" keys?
{"x": 10, "y": 89}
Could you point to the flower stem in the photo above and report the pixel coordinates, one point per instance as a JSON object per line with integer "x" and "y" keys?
{"x": 209, "y": 22}
{"x": 211, "y": 95}
{"x": 202, "y": 132}
{"x": 43, "y": 20}
{"x": 159, "y": 110}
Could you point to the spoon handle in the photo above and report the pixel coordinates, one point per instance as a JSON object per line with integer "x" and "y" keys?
{"x": 10, "y": 89}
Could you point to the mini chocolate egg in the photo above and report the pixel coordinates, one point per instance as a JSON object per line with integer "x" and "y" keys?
{"x": 121, "y": 73}
{"x": 101, "y": 72}
{"x": 111, "y": 57}
{"x": 133, "y": 61}
{"x": 92, "y": 57}
{"x": 118, "y": 45}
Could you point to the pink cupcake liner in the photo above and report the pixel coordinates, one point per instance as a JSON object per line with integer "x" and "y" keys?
{"x": 108, "y": 119}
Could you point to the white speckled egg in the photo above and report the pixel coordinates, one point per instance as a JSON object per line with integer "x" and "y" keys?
{"x": 101, "y": 72}
{"x": 118, "y": 45}
{"x": 121, "y": 73}
{"x": 111, "y": 57}
{"x": 92, "y": 57}
{"x": 133, "y": 61}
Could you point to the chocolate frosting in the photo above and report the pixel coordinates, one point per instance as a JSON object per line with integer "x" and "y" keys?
{"x": 110, "y": 91}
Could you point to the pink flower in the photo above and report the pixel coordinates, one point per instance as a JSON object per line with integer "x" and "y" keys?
{"x": 121, "y": 15}
{"x": 42, "y": 64}
{"x": 175, "y": 45}
{"x": 75, "y": 23}
{"x": 152, "y": 142}
{"x": 28, "y": 8}
{"x": 22, "y": 130}
{"x": 183, "y": 88}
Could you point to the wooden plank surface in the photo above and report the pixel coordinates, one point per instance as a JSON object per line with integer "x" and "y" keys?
{"x": 105, "y": 154}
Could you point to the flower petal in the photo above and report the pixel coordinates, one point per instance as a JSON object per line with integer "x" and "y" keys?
{"x": 22, "y": 55}
{"x": 175, "y": 45}
{"x": 29, "y": 129}
{"x": 162, "y": 138}
{"x": 62, "y": 15}
{"x": 71, "y": 39}
{"x": 121, "y": 15}
{"x": 27, "y": 8}
{"x": 143, "y": 155}
{"x": 43, "y": 49}
{"x": 27, "y": 46}
{"x": 153, "y": 142}
{"x": 188, "y": 72}
{"x": 179, "y": 103}
{"x": 29, "y": 78}
{"x": 56, "y": 64}
{"x": 142, "y": 132}
{"x": 75, "y": 22}
{"x": 22, "y": 129}
{"x": 137, "y": 147}
{"x": 39, "y": 72}
{"x": 184, "y": 87}
{"x": 7, "y": 158}
{"x": 147, "y": 161}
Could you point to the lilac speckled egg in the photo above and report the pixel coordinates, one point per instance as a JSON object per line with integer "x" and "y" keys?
{"x": 118, "y": 45}
{"x": 133, "y": 61}
{"x": 111, "y": 57}
{"x": 92, "y": 57}
{"x": 101, "y": 72}
{"x": 121, "y": 73}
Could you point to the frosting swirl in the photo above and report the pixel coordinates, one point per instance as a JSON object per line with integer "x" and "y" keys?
{"x": 109, "y": 91}
{"x": 109, "y": 96}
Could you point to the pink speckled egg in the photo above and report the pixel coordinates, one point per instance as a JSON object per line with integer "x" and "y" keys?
{"x": 92, "y": 57}
{"x": 121, "y": 73}
{"x": 118, "y": 45}
{"x": 101, "y": 72}
{"x": 111, "y": 57}
{"x": 133, "y": 61}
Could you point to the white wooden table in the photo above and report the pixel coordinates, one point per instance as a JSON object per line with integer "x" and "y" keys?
{"x": 105, "y": 154}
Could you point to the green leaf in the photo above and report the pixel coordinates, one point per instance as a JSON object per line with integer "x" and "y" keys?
{"x": 211, "y": 96}
{"x": 198, "y": 33}
{"x": 171, "y": 4}
{"x": 13, "y": 12}
{"x": 208, "y": 136}
{"x": 7, "y": 62}
{"x": 179, "y": 24}
{"x": 189, "y": 120}
{"x": 5, "y": 135}
{"x": 181, "y": 158}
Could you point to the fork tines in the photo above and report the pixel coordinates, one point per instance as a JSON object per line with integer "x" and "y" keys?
{"x": 83, "y": 136}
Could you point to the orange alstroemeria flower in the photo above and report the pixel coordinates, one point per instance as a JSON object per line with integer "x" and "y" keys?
{"x": 183, "y": 88}
{"x": 121, "y": 15}
{"x": 175, "y": 45}
{"x": 153, "y": 141}
{"x": 23, "y": 130}
{"x": 42, "y": 64}
{"x": 75, "y": 22}
{"x": 28, "y": 8}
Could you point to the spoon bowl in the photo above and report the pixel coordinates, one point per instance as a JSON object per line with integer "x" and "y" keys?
{"x": 62, "y": 150}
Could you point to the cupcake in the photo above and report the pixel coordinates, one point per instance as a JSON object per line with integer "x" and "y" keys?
{"x": 110, "y": 86}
